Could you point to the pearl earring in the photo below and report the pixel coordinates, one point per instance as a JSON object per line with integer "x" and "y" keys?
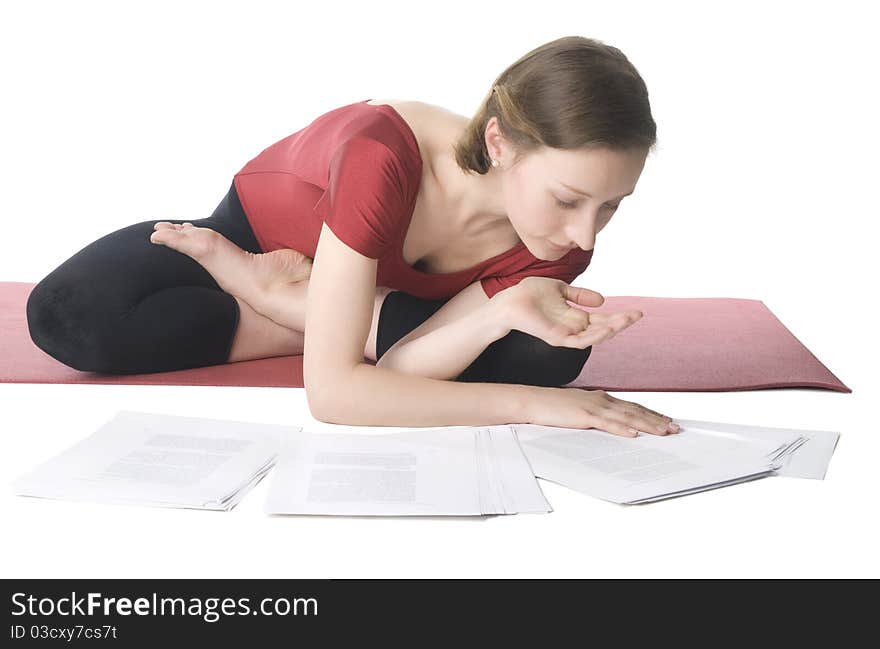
{"x": 495, "y": 163}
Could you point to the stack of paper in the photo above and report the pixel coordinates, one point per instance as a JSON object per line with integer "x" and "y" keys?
{"x": 423, "y": 472}
{"x": 161, "y": 460}
{"x": 808, "y": 458}
{"x": 704, "y": 455}
{"x": 171, "y": 461}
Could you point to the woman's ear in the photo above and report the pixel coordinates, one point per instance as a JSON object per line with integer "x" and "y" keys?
{"x": 495, "y": 142}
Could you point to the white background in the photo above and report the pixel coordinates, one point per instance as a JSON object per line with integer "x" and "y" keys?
{"x": 762, "y": 187}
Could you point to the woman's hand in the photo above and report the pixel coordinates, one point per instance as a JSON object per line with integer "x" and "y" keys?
{"x": 578, "y": 408}
{"x": 537, "y": 306}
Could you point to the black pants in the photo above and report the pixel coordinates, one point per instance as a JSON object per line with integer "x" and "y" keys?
{"x": 124, "y": 305}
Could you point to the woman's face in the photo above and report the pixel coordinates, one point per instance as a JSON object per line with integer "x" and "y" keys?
{"x": 557, "y": 200}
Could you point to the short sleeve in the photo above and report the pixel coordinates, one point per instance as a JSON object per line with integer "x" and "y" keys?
{"x": 567, "y": 269}
{"x": 367, "y": 196}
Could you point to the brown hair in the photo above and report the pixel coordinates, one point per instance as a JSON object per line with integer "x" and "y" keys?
{"x": 570, "y": 93}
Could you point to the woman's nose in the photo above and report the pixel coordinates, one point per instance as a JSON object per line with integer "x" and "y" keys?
{"x": 585, "y": 238}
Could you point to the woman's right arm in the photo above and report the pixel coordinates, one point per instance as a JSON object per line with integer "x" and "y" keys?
{"x": 342, "y": 389}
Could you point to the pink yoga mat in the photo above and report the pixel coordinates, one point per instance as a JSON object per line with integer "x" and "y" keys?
{"x": 680, "y": 345}
{"x": 712, "y": 344}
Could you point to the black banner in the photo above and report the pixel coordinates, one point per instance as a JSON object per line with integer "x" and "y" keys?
{"x": 140, "y": 612}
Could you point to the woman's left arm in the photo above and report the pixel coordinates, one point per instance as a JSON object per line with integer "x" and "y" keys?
{"x": 445, "y": 344}
{"x": 450, "y": 340}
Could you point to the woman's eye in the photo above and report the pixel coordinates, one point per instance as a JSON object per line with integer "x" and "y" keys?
{"x": 571, "y": 206}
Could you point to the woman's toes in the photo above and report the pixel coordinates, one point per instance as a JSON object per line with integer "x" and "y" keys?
{"x": 166, "y": 225}
{"x": 192, "y": 241}
{"x": 156, "y": 237}
{"x": 173, "y": 226}
{"x": 163, "y": 235}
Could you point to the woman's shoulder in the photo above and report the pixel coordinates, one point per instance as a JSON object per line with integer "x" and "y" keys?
{"x": 309, "y": 152}
{"x": 433, "y": 127}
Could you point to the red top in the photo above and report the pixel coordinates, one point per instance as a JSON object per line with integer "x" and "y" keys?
{"x": 358, "y": 168}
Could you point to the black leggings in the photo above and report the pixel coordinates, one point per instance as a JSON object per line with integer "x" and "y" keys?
{"x": 124, "y": 305}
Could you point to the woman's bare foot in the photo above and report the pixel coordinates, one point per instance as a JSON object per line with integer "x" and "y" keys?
{"x": 255, "y": 278}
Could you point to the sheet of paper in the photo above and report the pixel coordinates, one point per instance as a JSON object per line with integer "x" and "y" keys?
{"x": 161, "y": 460}
{"x": 508, "y": 478}
{"x": 708, "y": 487}
{"x": 512, "y": 465}
{"x": 629, "y": 470}
{"x": 460, "y": 472}
{"x": 809, "y": 461}
{"x": 350, "y": 474}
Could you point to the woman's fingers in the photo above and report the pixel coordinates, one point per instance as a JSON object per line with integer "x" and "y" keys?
{"x": 622, "y": 405}
{"x": 580, "y": 319}
{"x": 625, "y": 318}
{"x": 617, "y": 322}
{"x": 571, "y": 320}
{"x": 600, "y": 329}
{"x": 591, "y": 336}
{"x": 612, "y": 426}
{"x": 639, "y": 420}
{"x": 582, "y": 296}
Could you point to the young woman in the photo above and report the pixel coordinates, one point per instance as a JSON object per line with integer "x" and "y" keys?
{"x": 438, "y": 246}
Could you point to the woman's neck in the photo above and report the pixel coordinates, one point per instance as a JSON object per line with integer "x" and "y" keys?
{"x": 474, "y": 202}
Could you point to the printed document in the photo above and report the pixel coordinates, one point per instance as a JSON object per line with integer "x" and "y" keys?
{"x": 424, "y": 472}
{"x": 704, "y": 455}
{"x": 161, "y": 460}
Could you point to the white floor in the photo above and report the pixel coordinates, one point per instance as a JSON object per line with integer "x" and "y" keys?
{"x": 775, "y": 527}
